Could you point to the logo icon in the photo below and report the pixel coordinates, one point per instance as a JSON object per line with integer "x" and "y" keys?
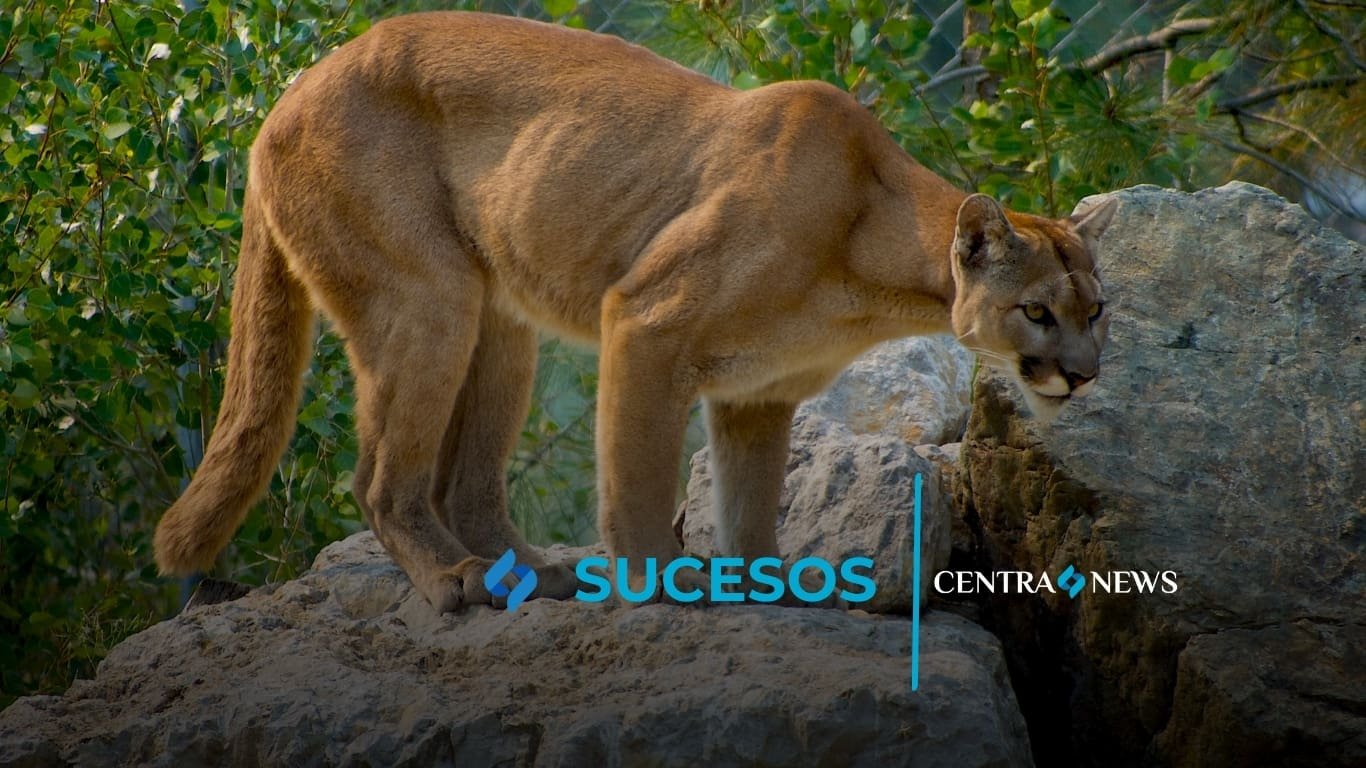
{"x": 526, "y": 580}
{"x": 1072, "y": 581}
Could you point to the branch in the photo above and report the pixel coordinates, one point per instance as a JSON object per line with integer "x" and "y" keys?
{"x": 1166, "y": 37}
{"x": 974, "y": 72}
{"x": 1308, "y": 134}
{"x": 1303, "y": 180}
{"x": 1322, "y": 26}
{"x": 1280, "y": 89}
{"x": 1301, "y": 56}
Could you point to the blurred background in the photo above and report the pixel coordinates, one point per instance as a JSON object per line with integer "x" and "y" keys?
{"x": 124, "y": 130}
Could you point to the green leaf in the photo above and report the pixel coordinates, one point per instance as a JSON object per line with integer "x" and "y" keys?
{"x": 63, "y": 83}
{"x": 120, "y": 287}
{"x": 1023, "y": 9}
{"x": 8, "y": 613}
{"x": 113, "y": 131}
{"x": 559, "y": 8}
{"x": 746, "y": 81}
{"x": 977, "y": 40}
{"x": 314, "y": 418}
{"x": 1179, "y": 71}
{"x": 858, "y": 35}
{"x": 25, "y": 393}
{"x": 1219, "y": 61}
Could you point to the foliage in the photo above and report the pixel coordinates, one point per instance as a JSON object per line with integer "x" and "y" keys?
{"x": 125, "y": 130}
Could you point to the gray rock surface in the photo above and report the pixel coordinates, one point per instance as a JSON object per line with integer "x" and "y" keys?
{"x": 845, "y": 495}
{"x": 348, "y": 666}
{"x": 1244, "y": 694}
{"x": 918, "y": 389}
{"x": 1226, "y": 442}
{"x": 947, "y": 461}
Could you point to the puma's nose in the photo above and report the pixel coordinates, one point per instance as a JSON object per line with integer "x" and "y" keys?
{"x": 1078, "y": 383}
{"x": 1075, "y": 380}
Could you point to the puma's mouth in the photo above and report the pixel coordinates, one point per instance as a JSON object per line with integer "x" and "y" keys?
{"x": 1054, "y": 386}
{"x": 1058, "y": 388}
{"x": 1045, "y": 398}
{"x": 1044, "y": 408}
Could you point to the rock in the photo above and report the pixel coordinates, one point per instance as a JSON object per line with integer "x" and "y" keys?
{"x": 916, "y": 388}
{"x": 348, "y": 666}
{"x": 947, "y": 460}
{"x": 845, "y": 495}
{"x": 1225, "y": 444}
{"x": 1240, "y": 696}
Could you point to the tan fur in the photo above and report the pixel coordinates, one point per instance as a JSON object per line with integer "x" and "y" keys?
{"x": 447, "y": 182}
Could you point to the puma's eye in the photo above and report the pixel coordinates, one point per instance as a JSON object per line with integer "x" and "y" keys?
{"x": 1096, "y": 311}
{"x": 1038, "y": 313}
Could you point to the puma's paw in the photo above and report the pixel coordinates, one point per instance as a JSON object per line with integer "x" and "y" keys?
{"x": 469, "y": 583}
{"x": 463, "y": 584}
{"x": 556, "y": 582}
{"x": 687, "y": 583}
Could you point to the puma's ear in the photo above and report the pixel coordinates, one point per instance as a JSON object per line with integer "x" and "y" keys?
{"x": 981, "y": 223}
{"x": 1092, "y": 222}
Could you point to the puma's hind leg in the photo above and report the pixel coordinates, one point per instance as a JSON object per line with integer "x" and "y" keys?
{"x": 409, "y": 362}
{"x": 471, "y": 492}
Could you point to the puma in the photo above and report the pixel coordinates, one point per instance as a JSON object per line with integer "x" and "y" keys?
{"x": 447, "y": 184}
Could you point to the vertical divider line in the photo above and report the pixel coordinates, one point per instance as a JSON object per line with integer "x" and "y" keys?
{"x": 915, "y": 592}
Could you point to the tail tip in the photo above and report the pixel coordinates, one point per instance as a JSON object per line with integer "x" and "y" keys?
{"x": 177, "y": 551}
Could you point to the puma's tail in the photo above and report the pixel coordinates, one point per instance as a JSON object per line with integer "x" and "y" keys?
{"x": 269, "y": 348}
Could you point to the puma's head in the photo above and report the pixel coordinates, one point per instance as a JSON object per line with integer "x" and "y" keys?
{"x": 1029, "y": 299}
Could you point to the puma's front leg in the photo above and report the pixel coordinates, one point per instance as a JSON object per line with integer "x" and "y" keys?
{"x": 644, "y": 392}
{"x": 749, "y": 445}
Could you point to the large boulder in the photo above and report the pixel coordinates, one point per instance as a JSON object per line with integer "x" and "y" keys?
{"x": 1226, "y": 443}
{"x": 347, "y": 665}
